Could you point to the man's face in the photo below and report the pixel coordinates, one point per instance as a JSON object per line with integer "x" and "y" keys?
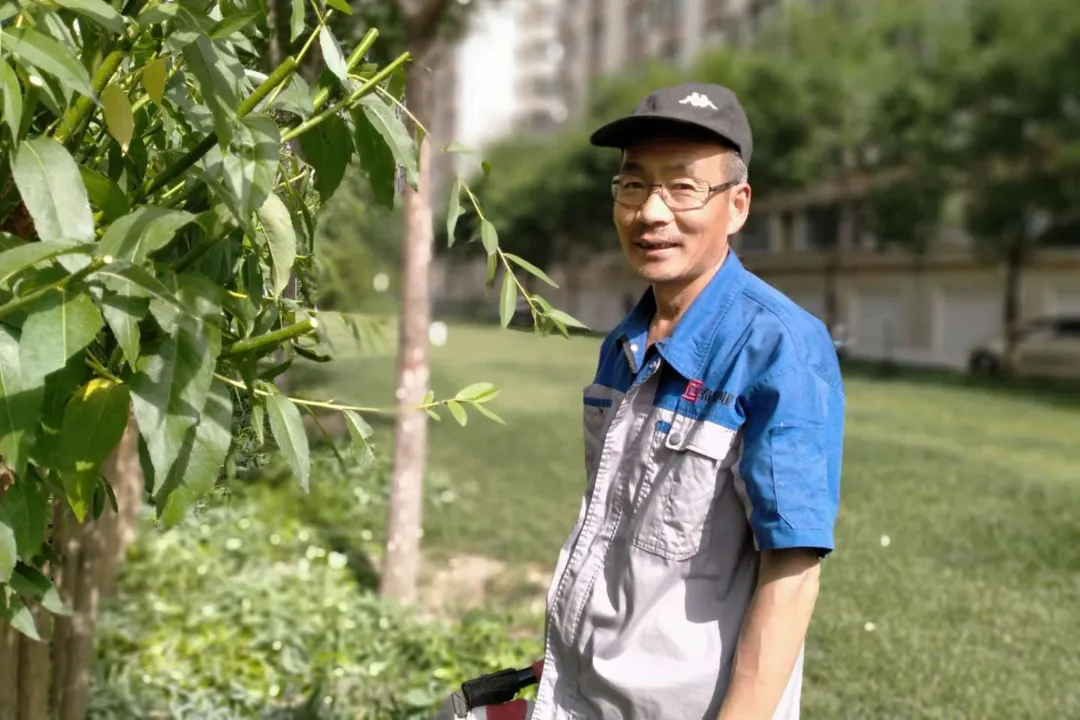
{"x": 667, "y": 247}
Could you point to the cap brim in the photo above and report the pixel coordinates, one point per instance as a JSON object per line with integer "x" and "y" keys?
{"x": 625, "y": 131}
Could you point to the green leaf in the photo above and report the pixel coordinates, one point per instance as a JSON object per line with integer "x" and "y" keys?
{"x": 244, "y": 177}
{"x": 199, "y": 465}
{"x": 17, "y": 259}
{"x": 288, "y": 430}
{"x": 335, "y": 61}
{"x": 94, "y": 422}
{"x": 478, "y": 392}
{"x": 340, "y": 6}
{"x": 281, "y": 238}
{"x": 23, "y": 621}
{"x": 453, "y": 212}
{"x": 123, "y": 279}
{"x": 565, "y": 318}
{"x": 258, "y": 423}
{"x": 12, "y": 96}
{"x": 486, "y": 412}
{"x": 393, "y": 132}
{"x": 220, "y": 78}
{"x": 491, "y": 267}
{"x": 142, "y": 232}
{"x": 59, "y": 387}
{"x": 489, "y": 236}
{"x": 24, "y": 510}
{"x": 328, "y": 148}
{"x": 457, "y": 147}
{"x": 119, "y": 118}
{"x": 508, "y": 301}
{"x": 296, "y": 20}
{"x": 296, "y": 98}
{"x": 60, "y": 324}
{"x": 171, "y": 384}
{"x": 104, "y": 194}
{"x": 123, "y": 312}
{"x": 98, "y": 11}
{"x": 50, "y": 185}
{"x": 9, "y": 553}
{"x": 33, "y": 585}
{"x": 20, "y": 403}
{"x": 433, "y": 415}
{"x": 154, "y": 76}
{"x": 457, "y": 411}
{"x": 529, "y": 267}
{"x": 233, "y": 24}
{"x": 360, "y": 431}
{"x": 376, "y": 158}
{"x": 48, "y": 56}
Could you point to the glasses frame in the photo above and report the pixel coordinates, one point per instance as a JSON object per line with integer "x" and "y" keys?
{"x": 713, "y": 191}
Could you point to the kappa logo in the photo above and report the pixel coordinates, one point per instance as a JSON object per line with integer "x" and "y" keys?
{"x": 697, "y": 100}
{"x": 695, "y": 392}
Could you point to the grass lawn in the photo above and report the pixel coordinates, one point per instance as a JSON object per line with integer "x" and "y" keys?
{"x": 972, "y": 609}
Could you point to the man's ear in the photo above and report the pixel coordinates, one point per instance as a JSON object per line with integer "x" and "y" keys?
{"x": 738, "y": 208}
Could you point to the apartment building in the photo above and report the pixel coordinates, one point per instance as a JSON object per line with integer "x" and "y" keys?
{"x": 600, "y": 37}
{"x": 539, "y": 103}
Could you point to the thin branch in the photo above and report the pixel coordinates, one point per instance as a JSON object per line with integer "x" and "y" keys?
{"x": 326, "y": 405}
{"x": 342, "y": 104}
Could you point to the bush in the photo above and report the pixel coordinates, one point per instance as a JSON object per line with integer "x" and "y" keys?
{"x": 260, "y": 606}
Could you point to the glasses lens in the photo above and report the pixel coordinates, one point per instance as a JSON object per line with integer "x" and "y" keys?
{"x": 629, "y": 191}
{"x": 684, "y": 195}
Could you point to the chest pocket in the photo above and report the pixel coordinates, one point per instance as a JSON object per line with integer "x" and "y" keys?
{"x": 672, "y": 520}
{"x": 598, "y": 409}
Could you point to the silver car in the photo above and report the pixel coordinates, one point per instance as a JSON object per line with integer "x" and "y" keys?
{"x": 1047, "y": 347}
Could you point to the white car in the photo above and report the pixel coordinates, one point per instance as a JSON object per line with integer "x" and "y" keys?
{"x": 1048, "y": 347}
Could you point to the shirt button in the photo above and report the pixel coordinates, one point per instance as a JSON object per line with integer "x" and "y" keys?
{"x": 633, "y": 348}
{"x": 676, "y": 438}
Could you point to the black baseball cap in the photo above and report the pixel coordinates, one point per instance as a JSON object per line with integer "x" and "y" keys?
{"x": 698, "y": 109}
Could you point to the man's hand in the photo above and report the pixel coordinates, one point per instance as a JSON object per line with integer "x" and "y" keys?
{"x": 772, "y": 634}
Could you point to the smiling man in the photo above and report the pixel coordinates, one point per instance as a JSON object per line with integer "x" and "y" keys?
{"x": 713, "y": 434}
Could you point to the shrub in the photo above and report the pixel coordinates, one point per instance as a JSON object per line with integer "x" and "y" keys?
{"x": 256, "y": 607}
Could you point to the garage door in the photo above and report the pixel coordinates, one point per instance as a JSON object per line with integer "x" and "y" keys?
{"x": 878, "y": 325}
{"x": 1067, "y": 304}
{"x": 968, "y": 319}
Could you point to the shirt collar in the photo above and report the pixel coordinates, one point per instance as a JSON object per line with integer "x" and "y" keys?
{"x": 687, "y": 348}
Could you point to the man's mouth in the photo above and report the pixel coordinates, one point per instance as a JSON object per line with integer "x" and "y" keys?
{"x": 654, "y": 245}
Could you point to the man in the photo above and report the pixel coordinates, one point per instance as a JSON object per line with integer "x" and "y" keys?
{"x": 713, "y": 433}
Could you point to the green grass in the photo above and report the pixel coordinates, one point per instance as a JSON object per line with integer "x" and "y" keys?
{"x": 975, "y": 603}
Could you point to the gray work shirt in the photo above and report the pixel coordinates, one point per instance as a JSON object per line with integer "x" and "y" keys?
{"x": 721, "y": 440}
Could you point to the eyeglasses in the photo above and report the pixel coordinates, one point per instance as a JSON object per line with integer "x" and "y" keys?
{"x": 678, "y": 195}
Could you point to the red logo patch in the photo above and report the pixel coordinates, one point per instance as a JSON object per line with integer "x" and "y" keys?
{"x": 693, "y": 391}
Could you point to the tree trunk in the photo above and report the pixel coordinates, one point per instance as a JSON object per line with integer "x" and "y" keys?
{"x": 401, "y": 563}
{"x": 1013, "y": 275}
{"x": 90, "y": 554}
{"x": 9, "y": 671}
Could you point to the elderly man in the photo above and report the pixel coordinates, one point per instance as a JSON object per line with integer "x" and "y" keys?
{"x": 713, "y": 435}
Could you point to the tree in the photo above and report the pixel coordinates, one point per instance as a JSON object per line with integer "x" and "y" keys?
{"x": 992, "y": 115}
{"x": 152, "y": 212}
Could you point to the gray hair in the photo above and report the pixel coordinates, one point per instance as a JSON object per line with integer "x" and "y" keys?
{"x": 735, "y": 168}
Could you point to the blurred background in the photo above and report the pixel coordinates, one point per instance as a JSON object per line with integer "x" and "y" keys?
{"x": 916, "y": 185}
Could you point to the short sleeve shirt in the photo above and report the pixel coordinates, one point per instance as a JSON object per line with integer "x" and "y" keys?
{"x": 722, "y": 440}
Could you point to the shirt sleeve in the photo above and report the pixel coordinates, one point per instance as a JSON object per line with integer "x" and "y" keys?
{"x": 791, "y": 459}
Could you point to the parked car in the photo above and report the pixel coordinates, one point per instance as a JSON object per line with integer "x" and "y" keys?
{"x": 1047, "y": 347}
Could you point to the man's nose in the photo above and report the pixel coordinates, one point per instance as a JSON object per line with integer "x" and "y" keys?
{"x": 654, "y": 209}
